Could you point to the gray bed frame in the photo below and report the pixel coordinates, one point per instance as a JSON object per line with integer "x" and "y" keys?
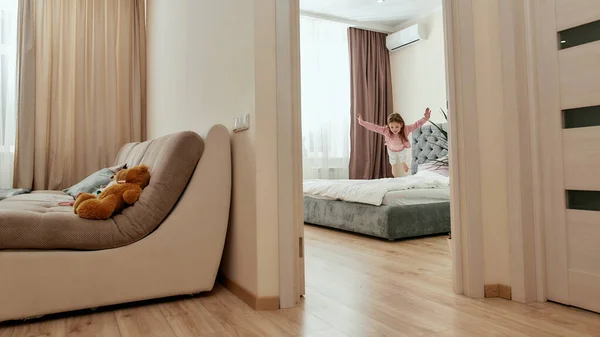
{"x": 388, "y": 222}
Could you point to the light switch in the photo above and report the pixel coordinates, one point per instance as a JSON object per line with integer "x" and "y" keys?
{"x": 241, "y": 123}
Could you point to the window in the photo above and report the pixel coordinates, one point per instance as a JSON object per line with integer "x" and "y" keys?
{"x": 8, "y": 79}
{"x": 325, "y": 80}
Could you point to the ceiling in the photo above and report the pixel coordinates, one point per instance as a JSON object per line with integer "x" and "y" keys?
{"x": 386, "y": 15}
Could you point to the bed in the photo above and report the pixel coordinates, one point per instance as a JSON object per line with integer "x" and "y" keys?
{"x": 392, "y": 208}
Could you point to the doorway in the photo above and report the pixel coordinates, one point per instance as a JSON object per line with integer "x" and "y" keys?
{"x": 467, "y": 257}
{"x": 410, "y": 77}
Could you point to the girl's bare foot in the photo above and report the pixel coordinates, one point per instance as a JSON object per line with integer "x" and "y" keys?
{"x": 405, "y": 167}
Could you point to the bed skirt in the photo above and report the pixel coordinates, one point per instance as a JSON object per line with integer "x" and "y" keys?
{"x": 387, "y": 222}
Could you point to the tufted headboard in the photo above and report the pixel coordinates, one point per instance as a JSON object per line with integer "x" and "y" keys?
{"x": 424, "y": 146}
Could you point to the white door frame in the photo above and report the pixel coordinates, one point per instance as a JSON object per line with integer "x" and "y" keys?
{"x": 465, "y": 175}
{"x": 519, "y": 92}
{"x": 521, "y": 144}
{"x": 536, "y": 289}
{"x": 467, "y": 227}
{"x": 289, "y": 153}
{"x": 544, "y": 70}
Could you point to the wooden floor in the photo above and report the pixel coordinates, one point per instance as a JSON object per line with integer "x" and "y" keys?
{"x": 356, "y": 286}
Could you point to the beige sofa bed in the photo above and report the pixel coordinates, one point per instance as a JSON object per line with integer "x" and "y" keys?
{"x": 168, "y": 243}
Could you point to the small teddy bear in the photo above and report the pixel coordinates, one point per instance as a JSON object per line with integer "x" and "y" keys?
{"x": 126, "y": 191}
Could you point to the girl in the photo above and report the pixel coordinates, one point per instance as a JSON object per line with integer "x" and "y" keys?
{"x": 396, "y": 137}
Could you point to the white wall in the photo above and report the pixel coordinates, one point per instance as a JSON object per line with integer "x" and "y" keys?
{"x": 419, "y": 73}
{"x": 207, "y": 65}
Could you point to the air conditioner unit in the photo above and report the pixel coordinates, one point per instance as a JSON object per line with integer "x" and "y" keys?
{"x": 406, "y": 36}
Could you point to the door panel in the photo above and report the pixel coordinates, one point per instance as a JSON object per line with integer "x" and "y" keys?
{"x": 568, "y": 67}
{"x": 571, "y": 13}
{"x": 580, "y": 75}
{"x": 581, "y": 148}
{"x": 584, "y": 290}
{"x": 584, "y": 249}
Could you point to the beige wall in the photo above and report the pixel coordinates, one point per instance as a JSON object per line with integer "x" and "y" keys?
{"x": 205, "y": 67}
{"x": 494, "y": 197}
{"x": 419, "y": 73}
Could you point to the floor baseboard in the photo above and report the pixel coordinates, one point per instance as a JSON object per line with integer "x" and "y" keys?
{"x": 256, "y": 303}
{"x": 498, "y": 290}
{"x": 505, "y": 292}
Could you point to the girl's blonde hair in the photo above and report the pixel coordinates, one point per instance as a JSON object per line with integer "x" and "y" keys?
{"x": 396, "y": 118}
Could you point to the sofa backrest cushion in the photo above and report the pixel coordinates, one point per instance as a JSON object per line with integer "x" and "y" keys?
{"x": 172, "y": 159}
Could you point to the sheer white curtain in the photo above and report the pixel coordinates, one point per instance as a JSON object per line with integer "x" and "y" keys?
{"x": 8, "y": 51}
{"x": 325, "y": 77}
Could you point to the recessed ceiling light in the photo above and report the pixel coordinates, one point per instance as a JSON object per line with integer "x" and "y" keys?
{"x": 380, "y": 1}
{"x": 563, "y": 41}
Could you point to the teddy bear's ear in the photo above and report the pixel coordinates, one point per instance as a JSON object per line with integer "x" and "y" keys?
{"x": 144, "y": 168}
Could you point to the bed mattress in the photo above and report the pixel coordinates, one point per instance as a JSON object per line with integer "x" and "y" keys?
{"x": 387, "y": 208}
{"x": 387, "y": 222}
{"x": 374, "y": 191}
{"x": 408, "y": 197}
{"x": 417, "y": 197}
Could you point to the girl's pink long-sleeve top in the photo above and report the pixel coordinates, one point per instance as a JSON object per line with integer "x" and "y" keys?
{"x": 394, "y": 142}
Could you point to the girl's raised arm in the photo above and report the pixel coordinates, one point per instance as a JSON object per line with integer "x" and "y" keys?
{"x": 412, "y": 127}
{"x": 372, "y": 127}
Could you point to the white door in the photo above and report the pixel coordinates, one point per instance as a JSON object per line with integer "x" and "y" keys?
{"x": 567, "y": 51}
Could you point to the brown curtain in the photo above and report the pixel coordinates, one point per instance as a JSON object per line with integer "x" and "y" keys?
{"x": 371, "y": 94}
{"x": 81, "y": 87}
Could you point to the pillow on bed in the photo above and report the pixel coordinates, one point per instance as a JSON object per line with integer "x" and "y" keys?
{"x": 94, "y": 181}
{"x": 435, "y": 167}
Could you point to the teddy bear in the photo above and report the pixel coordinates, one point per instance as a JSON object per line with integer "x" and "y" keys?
{"x": 124, "y": 190}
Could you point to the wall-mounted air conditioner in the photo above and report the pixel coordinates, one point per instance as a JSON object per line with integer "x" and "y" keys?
{"x": 406, "y": 36}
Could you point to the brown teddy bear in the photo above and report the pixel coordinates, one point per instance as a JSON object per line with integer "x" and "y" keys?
{"x": 124, "y": 190}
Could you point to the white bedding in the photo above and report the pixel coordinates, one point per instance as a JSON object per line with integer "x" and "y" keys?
{"x": 417, "y": 197}
{"x": 374, "y": 191}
